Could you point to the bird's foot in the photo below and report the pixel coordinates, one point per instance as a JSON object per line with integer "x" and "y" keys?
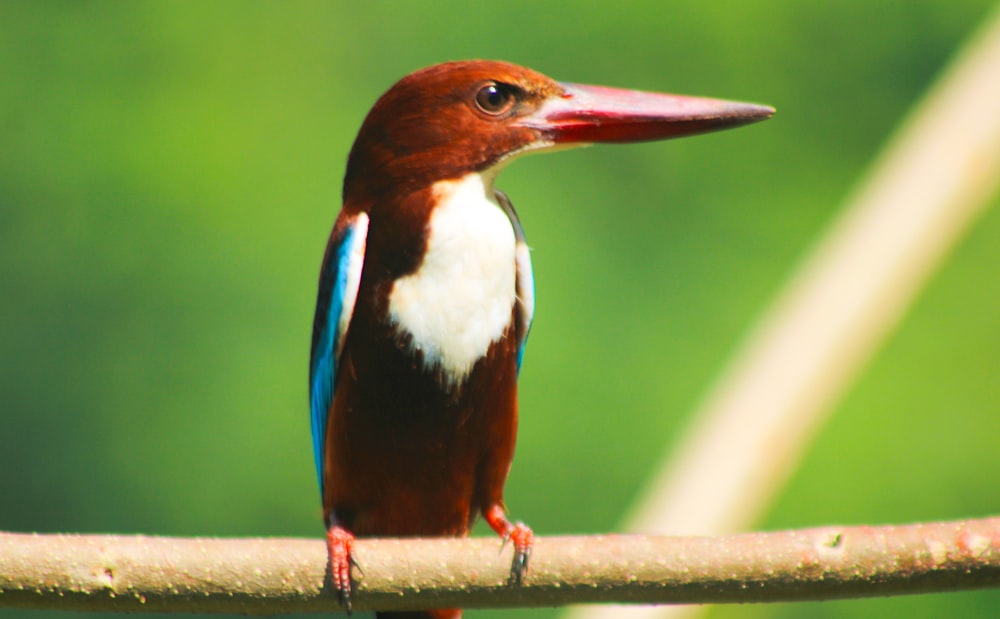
{"x": 340, "y": 544}
{"x": 523, "y": 538}
{"x": 517, "y": 533}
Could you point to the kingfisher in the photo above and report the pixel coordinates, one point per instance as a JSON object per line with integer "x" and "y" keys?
{"x": 426, "y": 297}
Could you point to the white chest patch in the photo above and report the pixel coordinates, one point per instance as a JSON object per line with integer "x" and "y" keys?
{"x": 459, "y": 300}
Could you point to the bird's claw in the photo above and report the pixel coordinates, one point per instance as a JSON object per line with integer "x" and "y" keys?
{"x": 523, "y": 538}
{"x": 520, "y": 534}
{"x": 340, "y": 544}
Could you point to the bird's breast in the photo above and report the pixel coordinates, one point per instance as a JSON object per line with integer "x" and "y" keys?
{"x": 459, "y": 299}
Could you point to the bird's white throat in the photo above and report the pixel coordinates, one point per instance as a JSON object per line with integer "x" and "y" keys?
{"x": 460, "y": 298}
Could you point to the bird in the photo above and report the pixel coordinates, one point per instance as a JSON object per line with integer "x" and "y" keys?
{"x": 426, "y": 298}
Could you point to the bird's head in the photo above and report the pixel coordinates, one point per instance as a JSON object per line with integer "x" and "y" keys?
{"x": 447, "y": 120}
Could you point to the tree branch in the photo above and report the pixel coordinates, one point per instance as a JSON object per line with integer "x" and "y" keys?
{"x": 268, "y": 576}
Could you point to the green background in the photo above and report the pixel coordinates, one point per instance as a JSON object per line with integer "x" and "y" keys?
{"x": 169, "y": 172}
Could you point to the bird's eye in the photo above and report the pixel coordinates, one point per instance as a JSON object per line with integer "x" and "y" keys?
{"x": 495, "y": 99}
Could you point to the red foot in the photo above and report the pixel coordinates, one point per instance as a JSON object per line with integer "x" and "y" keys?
{"x": 340, "y": 543}
{"x": 521, "y": 536}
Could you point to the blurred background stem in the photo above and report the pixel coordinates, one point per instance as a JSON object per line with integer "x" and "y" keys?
{"x": 934, "y": 179}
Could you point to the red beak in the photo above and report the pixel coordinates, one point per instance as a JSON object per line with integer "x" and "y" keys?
{"x": 586, "y": 114}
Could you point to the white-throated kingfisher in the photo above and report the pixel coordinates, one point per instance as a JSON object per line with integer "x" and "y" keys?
{"x": 426, "y": 296}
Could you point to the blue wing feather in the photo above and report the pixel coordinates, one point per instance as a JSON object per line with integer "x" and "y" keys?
{"x": 525, "y": 297}
{"x": 335, "y": 302}
{"x": 525, "y": 278}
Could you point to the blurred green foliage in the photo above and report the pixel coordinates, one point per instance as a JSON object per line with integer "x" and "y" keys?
{"x": 169, "y": 172}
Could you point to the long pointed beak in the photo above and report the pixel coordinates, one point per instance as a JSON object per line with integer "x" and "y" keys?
{"x": 586, "y": 114}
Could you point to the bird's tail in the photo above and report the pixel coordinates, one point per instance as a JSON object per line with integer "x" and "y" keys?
{"x": 448, "y": 613}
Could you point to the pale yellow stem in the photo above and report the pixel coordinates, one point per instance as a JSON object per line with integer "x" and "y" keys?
{"x": 926, "y": 190}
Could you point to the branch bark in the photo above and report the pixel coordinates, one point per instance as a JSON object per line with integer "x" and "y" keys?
{"x": 268, "y": 576}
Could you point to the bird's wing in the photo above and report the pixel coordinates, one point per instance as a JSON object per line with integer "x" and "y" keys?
{"x": 525, "y": 278}
{"x": 338, "y": 290}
